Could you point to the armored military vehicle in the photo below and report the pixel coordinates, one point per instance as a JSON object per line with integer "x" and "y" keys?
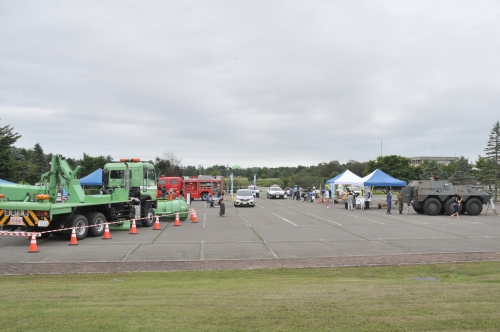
{"x": 435, "y": 196}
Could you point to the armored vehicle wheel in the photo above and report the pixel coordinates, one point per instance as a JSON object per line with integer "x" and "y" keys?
{"x": 473, "y": 206}
{"x": 448, "y": 206}
{"x": 80, "y": 224}
{"x": 97, "y": 223}
{"x": 149, "y": 218}
{"x": 417, "y": 210}
{"x": 432, "y": 206}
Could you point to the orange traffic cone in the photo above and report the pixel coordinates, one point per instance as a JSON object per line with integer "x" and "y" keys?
{"x": 191, "y": 214}
{"x": 33, "y": 245}
{"x": 73, "y": 241}
{"x": 177, "y": 221}
{"x": 195, "y": 218}
{"x": 107, "y": 234}
{"x": 133, "y": 229}
{"x": 157, "y": 224}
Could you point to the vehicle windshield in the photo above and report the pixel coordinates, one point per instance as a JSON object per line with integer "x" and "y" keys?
{"x": 276, "y": 189}
{"x": 244, "y": 193}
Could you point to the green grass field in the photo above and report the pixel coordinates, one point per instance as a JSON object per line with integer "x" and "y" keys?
{"x": 447, "y": 297}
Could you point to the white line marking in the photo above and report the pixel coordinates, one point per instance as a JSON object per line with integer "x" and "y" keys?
{"x": 284, "y": 219}
{"x": 204, "y": 219}
{"x": 324, "y": 219}
{"x": 352, "y": 215}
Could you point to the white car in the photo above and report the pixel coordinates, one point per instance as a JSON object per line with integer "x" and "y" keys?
{"x": 275, "y": 192}
{"x": 256, "y": 192}
{"x": 244, "y": 197}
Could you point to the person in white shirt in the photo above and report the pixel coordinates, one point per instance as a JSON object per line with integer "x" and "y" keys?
{"x": 326, "y": 196}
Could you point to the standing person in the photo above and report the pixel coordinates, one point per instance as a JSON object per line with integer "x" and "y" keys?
{"x": 456, "y": 205}
{"x": 327, "y": 198}
{"x": 400, "y": 202}
{"x": 300, "y": 194}
{"x": 222, "y": 206}
{"x": 313, "y": 194}
{"x": 295, "y": 192}
{"x": 210, "y": 200}
{"x": 350, "y": 199}
{"x": 329, "y": 193}
{"x": 290, "y": 196}
{"x": 389, "y": 201}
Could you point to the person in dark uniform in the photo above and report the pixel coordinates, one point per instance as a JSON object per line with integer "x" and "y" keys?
{"x": 222, "y": 206}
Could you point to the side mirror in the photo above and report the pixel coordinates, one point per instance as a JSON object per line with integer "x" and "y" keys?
{"x": 105, "y": 178}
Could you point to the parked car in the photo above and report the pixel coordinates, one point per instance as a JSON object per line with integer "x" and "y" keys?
{"x": 275, "y": 192}
{"x": 254, "y": 192}
{"x": 244, "y": 197}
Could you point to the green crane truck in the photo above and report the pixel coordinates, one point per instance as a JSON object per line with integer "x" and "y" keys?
{"x": 129, "y": 191}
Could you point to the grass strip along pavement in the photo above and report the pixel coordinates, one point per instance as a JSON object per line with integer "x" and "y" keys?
{"x": 440, "y": 297}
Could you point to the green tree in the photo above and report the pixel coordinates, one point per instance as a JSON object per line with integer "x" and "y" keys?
{"x": 89, "y": 164}
{"x": 9, "y": 168}
{"x": 40, "y": 160}
{"x": 396, "y": 166}
{"x": 430, "y": 169}
{"x": 355, "y": 166}
{"x": 485, "y": 171}
{"x": 463, "y": 173}
{"x": 493, "y": 152}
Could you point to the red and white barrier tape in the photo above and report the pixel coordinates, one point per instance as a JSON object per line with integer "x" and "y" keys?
{"x": 38, "y": 234}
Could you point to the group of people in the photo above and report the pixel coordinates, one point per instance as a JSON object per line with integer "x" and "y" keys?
{"x": 309, "y": 195}
{"x": 399, "y": 199}
{"x": 219, "y": 200}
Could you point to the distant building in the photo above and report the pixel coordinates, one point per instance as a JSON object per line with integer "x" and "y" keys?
{"x": 415, "y": 161}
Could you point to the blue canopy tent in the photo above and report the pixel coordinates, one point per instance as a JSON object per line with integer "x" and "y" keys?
{"x": 6, "y": 182}
{"x": 93, "y": 179}
{"x": 378, "y": 178}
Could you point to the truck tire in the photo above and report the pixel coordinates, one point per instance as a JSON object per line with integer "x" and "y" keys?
{"x": 203, "y": 196}
{"x": 97, "y": 222}
{"x": 80, "y": 224}
{"x": 149, "y": 218}
{"x": 473, "y": 206}
{"x": 418, "y": 210}
{"x": 432, "y": 206}
{"x": 448, "y": 206}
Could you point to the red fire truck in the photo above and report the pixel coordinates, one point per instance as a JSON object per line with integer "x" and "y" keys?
{"x": 198, "y": 186}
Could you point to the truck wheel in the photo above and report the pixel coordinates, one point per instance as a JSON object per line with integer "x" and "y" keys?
{"x": 432, "y": 206}
{"x": 97, "y": 223}
{"x": 418, "y": 210}
{"x": 204, "y": 196}
{"x": 80, "y": 224}
{"x": 473, "y": 206}
{"x": 448, "y": 206}
{"x": 149, "y": 218}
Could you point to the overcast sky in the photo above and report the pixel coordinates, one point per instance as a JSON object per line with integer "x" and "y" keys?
{"x": 253, "y": 83}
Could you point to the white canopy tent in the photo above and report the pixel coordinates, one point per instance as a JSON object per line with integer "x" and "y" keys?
{"x": 345, "y": 178}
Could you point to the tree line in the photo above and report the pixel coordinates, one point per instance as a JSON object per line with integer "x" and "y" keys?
{"x": 26, "y": 165}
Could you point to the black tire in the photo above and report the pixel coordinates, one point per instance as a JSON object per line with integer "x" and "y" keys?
{"x": 448, "y": 206}
{"x": 149, "y": 218}
{"x": 432, "y": 206}
{"x": 80, "y": 224}
{"x": 473, "y": 206}
{"x": 97, "y": 223}
{"x": 204, "y": 197}
{"x": 418, "y": 210}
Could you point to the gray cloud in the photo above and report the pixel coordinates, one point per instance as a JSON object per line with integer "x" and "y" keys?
{"x": 254, "y": 83}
